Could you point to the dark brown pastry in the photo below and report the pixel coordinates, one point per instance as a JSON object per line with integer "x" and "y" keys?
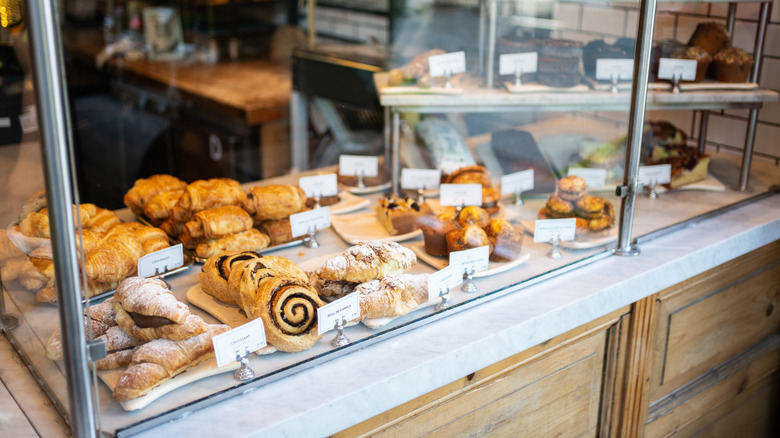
{"x": 710, "y": 36}
{"x": 589, "y": 207}
{"x": 400, "y": 215}
{"x": 732, "y": 65}
{"x": 557, "y": 207}
{"x": 702, "y": 58}
{"x": 278, "y": 230}
{"x": 472, "y": 215}
{"x": 506, "y": 240}
{"x": 468, "y": 237}
{"x": 490, "y": 198}
{"x": 571, "y": 188}
{"x": 475, "y": 174}
{"x": 434, "y": 230}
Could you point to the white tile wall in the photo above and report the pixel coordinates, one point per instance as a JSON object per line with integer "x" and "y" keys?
{"x": 603, "y": 20}
{"x": 744, "y": 35}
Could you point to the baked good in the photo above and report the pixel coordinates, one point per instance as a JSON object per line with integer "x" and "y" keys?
{"x": 160, "y": 206}
{"x": 517, "y": 150}
{"x": 589, "y": 206}
{"x": 701, "y": 56}
{"x": 274, "y": 202}
{"x": 279, "y": 231}
{"x": 217, "y": 222}
{"x": 36, "y": 202}
{"x": 732, "y": 65}
{"x": 368, "y": 261}
{"x": 599, "y": 49}
{"x": 251, "y": 239}
{"x": 36, "y": 224}
{"x": 102, "y": 221}
{"x": 392, "y": 296}
{"x": 571, "y": 188}
{"x": 472, "y": 215}
{"x": 412, "y": 71}
{"x": 145, "y": 189}
{"x": 557, "y": 207}
{"x": 468, "y": 237}
{"x": 324, "y": 201}
{"x": 561, "y": 64}
{"x": 710, "y": 36}
{"x": 663, "y": 143}
{"x": 330, "y": 289}
{"x": 490, "y": 197}
{"x": 216, "y": 270}
{"x": 159, "y": 360}
{"x": 434, "y": 229}
{"x": 114, "y": 258}
{"x": 474, "y": 174}
{"x": 146, "y": 309}
{"x": 245, "y": 277}
{"x": 204, "y": 194}
{"x": 400, "y": 215}
{"x": 560, "y": 48}
{"x": 505, "y": 239}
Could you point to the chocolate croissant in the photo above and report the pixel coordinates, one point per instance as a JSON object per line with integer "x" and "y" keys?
{"x": 274, "y": 202}
{"x": 204, "y": 194}
{"x": 145, "y": 189}
{"x": 250, "y": 239}
{"x": 217, "y": 222}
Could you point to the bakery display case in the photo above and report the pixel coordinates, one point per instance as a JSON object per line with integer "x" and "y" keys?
{"x": 123, "y": 349}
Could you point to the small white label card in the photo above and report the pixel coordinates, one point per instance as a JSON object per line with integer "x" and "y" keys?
{"x": 460, "y": 194}
{"x": 658, "y": 174}
{"x": 243, "y": 339}
{"x": 319, "y": 185}
{"x": 447, "y": 64}
{"x": 608, "y": 69}
{"x": 161, "y": 261}
{"x": 547, "y": 229}
{"x": 414, "y": 179}
{"x": 310, "y": 221}
{"x": 683, "y": 69}
{"x": 514, "y": 63}
{"x": 357, "y": 165}
{"x": 344, "y": 309}
{"x": 517, "y": 182}
{"x": 594, "y": 177}
{"x": 444, "y": 279}
{"x": 474, "y": 258}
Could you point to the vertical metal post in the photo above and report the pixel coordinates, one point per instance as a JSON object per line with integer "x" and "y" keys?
{"x": 628, "y": 191}
{"x": 491, "y": 43}
{"x": 54, "y": 122}
{"x": 755, "y": 76}
{"x": 731, "y": 16}
{"x": 705, "y": 118}
{"x": 481, "y": 43}
{"x": 299, "y": 122}
{"x": 396, "y": 152}
{"x": 311, "y": 22}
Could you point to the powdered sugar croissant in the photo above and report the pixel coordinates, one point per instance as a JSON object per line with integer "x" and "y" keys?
{"x": 368, "y": 261}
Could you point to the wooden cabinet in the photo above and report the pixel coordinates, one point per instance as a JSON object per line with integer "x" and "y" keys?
{"x": 699, "y": 358}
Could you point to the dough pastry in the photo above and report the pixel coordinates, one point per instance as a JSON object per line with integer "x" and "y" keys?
{"x": 278, "y": 230}
{"x": 102, "y": 221}
{"x": 204, "y": 194}
{"x": 158, "y": 361}
{"x": 392, "y": 296}
{"x": 150, "y": 297}
{"x": 245, "y": 277}
{"x": 114, "y": 258}
{"x": 145, "y": 189}
{"x": 250, "y": 239}
{"x": 216, "y": 271}
{"x": 217, "y": 222}
{"x": 368, "y": 261}
{"x": 36, "y": 202}
{"x": 160, "y": 207}
{"x": 274, "y": 202}
{"x": 288, "y": 308}
{"x": 36, "y": 224}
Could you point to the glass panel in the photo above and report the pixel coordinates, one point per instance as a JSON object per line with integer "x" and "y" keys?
{"x": 210, "y": 89}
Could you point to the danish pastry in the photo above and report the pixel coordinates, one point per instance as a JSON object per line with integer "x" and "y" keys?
{"x": 368, "y": 261}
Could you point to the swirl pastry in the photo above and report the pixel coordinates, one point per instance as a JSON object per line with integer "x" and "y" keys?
{"x": 216, "y": 271}
{"x": 368, "y": 261}
{"x": 245, "y": 278}
{"x": 288, "y": 308}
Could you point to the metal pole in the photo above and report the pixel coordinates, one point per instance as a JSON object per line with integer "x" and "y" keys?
{"x": 396, "y": 152}
{"x": 628, "y": 190}
{"x": 491, "y": 43}
{"x": 54, "y": 122}
{"x": 755, "y": 76}
{"x": 705, "y": 118}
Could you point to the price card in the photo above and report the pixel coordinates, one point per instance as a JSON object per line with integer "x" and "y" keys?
{"x": 447, "y": 64}
{"x": 474, "y": 258}
{"x": 444, "y": 279}
{"x": 344, "y": 309}
{"x": 161, "y": 261}
{"x": 517, "y": 182}
{"x": 246, "y": 337}
{"x": 514, "y": 63}
{"x": 658, "y": 174}
{"x": 683, "y": 69}
{"x": 311, "y": 220}
{"x": 609, "y": 68}
{"x": 319, "y": 185}
{"x": 460, "y": 194}
{"x": 414, "y": 179}
{"x": 594, "y": 177}
{"x": 357, "y": 165}
{"x": 547, "y": 229}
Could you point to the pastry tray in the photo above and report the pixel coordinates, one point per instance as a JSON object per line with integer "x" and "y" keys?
{"x": 591, "y": 241}
{"x": 442, "y": 262}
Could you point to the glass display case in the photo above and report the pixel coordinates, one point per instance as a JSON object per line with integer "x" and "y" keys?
{"x": 525, "y": 91}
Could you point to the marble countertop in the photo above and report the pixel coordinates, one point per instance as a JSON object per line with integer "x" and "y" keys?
{"x": 345, "y": 391}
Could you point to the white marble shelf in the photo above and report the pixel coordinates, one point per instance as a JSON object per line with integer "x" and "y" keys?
{"x": 496, "y": 100}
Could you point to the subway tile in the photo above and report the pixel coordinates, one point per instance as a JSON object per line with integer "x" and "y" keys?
{"x": 775, "y": 15}
{"x": 690, "y": 8}
{"x": 766, "y": 140}
{"x": 748, "y": 11}
{"x": 769, "y": 76}
{"x": 632, "y": 24}
{"x": 727, "y": 131}
{"x": 770, "y": 112}
{"x": 737, "y": 112}
{"x": 744, "y": 35}
{"x": 720, "y": 10}
{"x": 568, "y": 14}
{"x": 603, "y": 20}
{"x": 664, "y": 27}
{"x": 772, "y": 40}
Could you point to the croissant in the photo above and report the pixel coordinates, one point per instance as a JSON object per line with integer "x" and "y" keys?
{"x": 274, "y": 202}
{"x": 368, "y": 261}
{"x": 250, "y": 239}
{"x": 145, "y": 189}
{"x": 36, "y": 224}
{"x": 159, "y": 207}
{"x": 216, "y": 271}
{"x": 34, "y": 203}
{"x": 151, "y": 238}
{"x": 203, "y": 194}
{"x": 172, "y": 227}
{"x": 7, "y": 248}
{"x": 115, "y": 257}
{"x": 392, "y": 296}
{"x": 158, "y": 361}
{"x": 288, "y": 308}
{"x": 102, "y": 221}
{"x": 217, "y": 222}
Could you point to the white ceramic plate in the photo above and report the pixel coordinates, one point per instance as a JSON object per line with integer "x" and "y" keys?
{"x": 348, "y": 203}
{"x": 370, "y": 189}
{"x": 198, "y": 372}
{"x": 442, "y": 262}
{"x": 591, "y": 241}
{"x": 364, "y": 227}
